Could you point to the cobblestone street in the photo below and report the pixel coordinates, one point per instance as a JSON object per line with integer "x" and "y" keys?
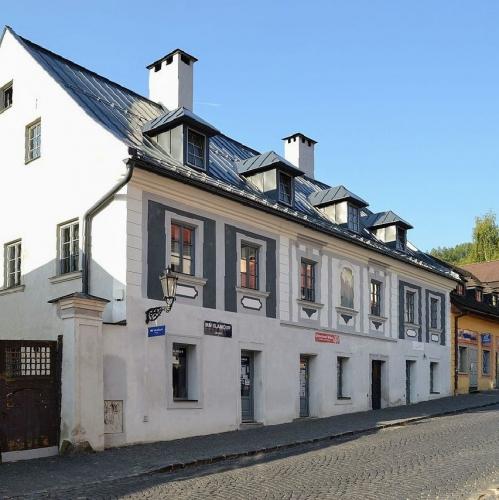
{"x": 454, "y": 456}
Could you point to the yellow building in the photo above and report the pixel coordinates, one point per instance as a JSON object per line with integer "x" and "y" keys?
{"x": 474, "y": 336}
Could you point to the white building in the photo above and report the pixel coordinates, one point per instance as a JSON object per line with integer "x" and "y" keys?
{"x": 294, "y": 299}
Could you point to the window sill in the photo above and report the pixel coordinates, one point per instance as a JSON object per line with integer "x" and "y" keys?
{"x": 411, "y": 325}
{"x": 180, "y": 400}
{"x": 344, "y": 398}
{"x": 251, "y": 291}
{"x": 13, "y": 289}
{"x": 436, "y": 331}
{"x": 343, "y": 401}
{"x": 309, "y": 303}
{"x": 377, "y": 318}
{"x": 187, "y": 279}
{"x": 3, "y": 110}
{"x": 26, "y": 162}
{"x": 434, "y": 392}
{"x": 347, "y": 310}
{"x": 66, "y": 277}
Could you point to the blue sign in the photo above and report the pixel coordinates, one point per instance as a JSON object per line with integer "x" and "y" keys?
{"x": 156, "y": 331}
{"x": 486, "y": 338}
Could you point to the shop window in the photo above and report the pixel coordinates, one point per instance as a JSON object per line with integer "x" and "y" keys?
{"x": 485, "y": 362}
{"x": 184, "y": 372}
{"x": 463, "y": 359}
{"x": 434, "y": 378}
{"x": 341, "y": 377}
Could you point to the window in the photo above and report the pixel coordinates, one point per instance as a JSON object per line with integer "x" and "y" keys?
{"x": 33, "y": 141}
{"x": 434, "y": 313}
{"x": 285, "y": 188}
{"x": 478, "y": 295}
{"x": 341, "y": 364}
{"x": 346, "y": 288}
{"x": 69, "y": 250}
{"x": 460, "y": 289}
{"x": 308, "y": 280}
{"x": 410, "y": 306}
{"x": 486, "y": 362}
{"x": 13, "y": 264}
{"x": 179, "y": 371}
{"x": 494, "y": 300}
{"x": 376, "y": 298}
{"x": 196, "y": 149}
{"x": 6, "y": 95}
{"x": 401, "y": 238}
{"x": 182, "y": 248}
{"x": 433, "y": 378}
{"x": 353, "y": 218}
{"x": 249, "y": 266}
{"x": 463, "y": 359}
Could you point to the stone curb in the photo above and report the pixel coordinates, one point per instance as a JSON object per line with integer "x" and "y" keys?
{"x": 176, "y": 466}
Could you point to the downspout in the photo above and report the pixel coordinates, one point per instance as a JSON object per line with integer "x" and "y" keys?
{"x": 456, "y": 349}
{"x": 102, "y": 203}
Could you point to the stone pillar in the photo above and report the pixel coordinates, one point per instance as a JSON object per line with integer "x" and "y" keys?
{"x": 82, "y": 401}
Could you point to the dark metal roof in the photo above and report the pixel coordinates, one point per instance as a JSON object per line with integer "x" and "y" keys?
{"x": 334, "y": 195}
{"x": 173, "y": 118}
{"x": 176, "y": 51}
{"x": 299, "y": 134}
{"x": 266, "y": 161}
{"x": 124, "y": 113}
{"x": 389, "y": 218}
{"x": 468, "y": 303}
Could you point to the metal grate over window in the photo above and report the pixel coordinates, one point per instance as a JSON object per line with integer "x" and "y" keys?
{"x": 28, "y": 361}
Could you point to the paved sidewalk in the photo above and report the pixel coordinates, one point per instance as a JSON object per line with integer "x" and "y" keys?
{"x": 29, "y": 477}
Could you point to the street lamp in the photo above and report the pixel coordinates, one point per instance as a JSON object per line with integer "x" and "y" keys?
{"x": 168, "y": 281}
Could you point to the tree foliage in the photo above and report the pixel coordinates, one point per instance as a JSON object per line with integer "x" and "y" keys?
{"x": 483, "y": 248}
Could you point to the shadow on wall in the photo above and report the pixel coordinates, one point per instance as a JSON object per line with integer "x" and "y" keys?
{"x": 25, "y": 312}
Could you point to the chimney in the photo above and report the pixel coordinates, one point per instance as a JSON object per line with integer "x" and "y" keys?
{"x": 299, "y": 150}
{"x": 171, "y": 80}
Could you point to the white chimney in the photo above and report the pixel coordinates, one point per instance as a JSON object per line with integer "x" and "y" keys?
{"x": 299, "y": 150}
{"x": 171, "y": 80}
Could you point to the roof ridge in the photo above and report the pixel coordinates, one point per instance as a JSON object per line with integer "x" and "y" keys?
{"x": 82, "y": 68}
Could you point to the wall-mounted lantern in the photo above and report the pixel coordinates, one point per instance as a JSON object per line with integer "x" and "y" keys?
{"x": 169, "y": 285}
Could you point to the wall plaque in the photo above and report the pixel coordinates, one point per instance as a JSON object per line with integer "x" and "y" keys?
{"x": 217, "y": 329}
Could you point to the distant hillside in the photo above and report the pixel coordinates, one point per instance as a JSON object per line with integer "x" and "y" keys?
{"x": 483, "y": 248}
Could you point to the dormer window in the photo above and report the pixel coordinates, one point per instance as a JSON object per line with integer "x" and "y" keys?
{"x": 478, "y": 294}
{"x": 495, "y": 300}
{"x": 196, "y": 149}
{"x": 353, "y": 218}
{"x": 460, "y": 289}
{"x": 401, "y": 238}
{"x": 6, "y": 95}
{"x": 285, "y": 189}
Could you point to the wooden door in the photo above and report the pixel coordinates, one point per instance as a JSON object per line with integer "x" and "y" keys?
{"x": 29, "y": 395}
{"x": 376, "y": 385}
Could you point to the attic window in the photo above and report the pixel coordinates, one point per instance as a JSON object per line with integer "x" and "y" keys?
{"x": 401, "y": 238}
{"x": 460, "y": 289}
{"x": 478, "y": 294}
{"x": 285, "y": 186}
{"x": 353, "y": 218}
{"x": 495, "y": 300}
{"x": 6, "y": 94}
{"x": 196, "y": 149}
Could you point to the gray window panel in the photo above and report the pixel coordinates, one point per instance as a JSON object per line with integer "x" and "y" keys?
{"x": 485, "y": 362}
{"x": 285, "y": 188}
{"x": 13, "y": 264}
{"x": 307, "y": 280}
{"x": 462, "y": 359}
{"x": 249, "y": 266}
{"x": 69, "y": 252}
{"x": 376, "y": 297}
{"x": 182, "y": 248}
{"x": 353, "y": 218}
{"x": 196, "y": 149}
{"x": 410, "y": 304}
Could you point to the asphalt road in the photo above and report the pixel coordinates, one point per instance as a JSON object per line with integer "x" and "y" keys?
{"x": 454, "y": 456}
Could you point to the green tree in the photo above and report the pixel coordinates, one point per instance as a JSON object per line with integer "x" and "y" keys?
{"x": 483, "y": 248}
{"x": 485, "y": 238}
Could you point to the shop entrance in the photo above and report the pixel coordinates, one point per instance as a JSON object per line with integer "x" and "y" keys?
{"x": 247, "y": 377}
{"x": 376, "y": 384}
{"x": 304, "y": 377}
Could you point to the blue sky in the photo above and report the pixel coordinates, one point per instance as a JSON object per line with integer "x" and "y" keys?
{"x": 402, "y": 96}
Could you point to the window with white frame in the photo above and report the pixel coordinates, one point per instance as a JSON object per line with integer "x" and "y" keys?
{"x": 13, "y": 264}
{"x": 410, "y": 306}
{"x": 182, "y": 248}
{"x": 69, "y": 247}
{"x": 285, "y": 188}
{"x": 462, "y": 359}
{"x": 33, "y": 140}
{"x": 353, "y": 218}
{"x": 346, "y": 288}
{"x": 6, "y": 96}
{"x": 249, "y": 266}
{"x": 376, "y": 297}
{"x": 196, "y": 149}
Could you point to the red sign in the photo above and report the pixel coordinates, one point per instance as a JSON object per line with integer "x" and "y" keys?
{"x": 329, "y": 338}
